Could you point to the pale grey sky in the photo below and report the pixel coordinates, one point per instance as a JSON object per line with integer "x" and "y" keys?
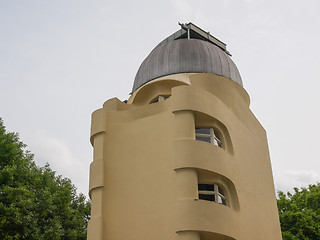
{"x": 60, "y": 60}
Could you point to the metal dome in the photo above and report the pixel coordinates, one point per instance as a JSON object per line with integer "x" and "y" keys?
{"x": 186, "y": 56}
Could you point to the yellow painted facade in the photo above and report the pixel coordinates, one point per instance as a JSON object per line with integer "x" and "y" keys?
{"x": 147, "y": 164}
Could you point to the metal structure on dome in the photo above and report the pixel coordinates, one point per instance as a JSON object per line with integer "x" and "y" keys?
{"x": 191, "y": 31}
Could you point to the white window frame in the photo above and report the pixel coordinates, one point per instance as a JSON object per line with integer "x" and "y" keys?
{"x": 218, "y": 196}
{"x": 212, "y": 135}
{"x": 159, "y": 98}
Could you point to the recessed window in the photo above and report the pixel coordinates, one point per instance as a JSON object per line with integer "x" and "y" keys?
{"x": 209, "y": 135}
{"x": 211, "y": 192}
{"x": 159, "y": 99}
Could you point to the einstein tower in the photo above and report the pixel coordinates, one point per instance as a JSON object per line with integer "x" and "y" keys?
{"x": 184, "y": 158}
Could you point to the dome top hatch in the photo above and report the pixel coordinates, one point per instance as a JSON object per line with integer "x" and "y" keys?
{"x": 189, "y": 50}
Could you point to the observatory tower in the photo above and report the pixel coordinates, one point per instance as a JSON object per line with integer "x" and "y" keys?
{"x": 184, "y": 158}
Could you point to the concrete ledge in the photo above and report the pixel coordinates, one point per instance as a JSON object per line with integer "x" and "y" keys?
{"x": 98, "y": 123}
{"x": 198, "y": 100}
{"x": 96, "y": 175}
{"x": 198, "y": 154}
{"x": 209, "y": 217}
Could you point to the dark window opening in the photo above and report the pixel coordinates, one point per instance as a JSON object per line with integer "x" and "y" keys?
{"x": 159, "y": 99}
{"x": 209, "y": 135}
{"x": 211, "y": 192}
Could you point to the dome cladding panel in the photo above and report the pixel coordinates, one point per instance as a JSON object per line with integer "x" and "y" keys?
{"x": 186, "y": 56}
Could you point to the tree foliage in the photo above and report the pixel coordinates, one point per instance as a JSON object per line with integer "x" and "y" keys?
{"x": 35, "y": 203}
{"x": 300, "y": 213}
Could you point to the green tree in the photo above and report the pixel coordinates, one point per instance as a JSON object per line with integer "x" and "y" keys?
{"x": 35, "y": 203}
{"x": 300, "y": 213}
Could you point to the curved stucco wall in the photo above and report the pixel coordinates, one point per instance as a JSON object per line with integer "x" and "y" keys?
{"x": 151, "y": 166}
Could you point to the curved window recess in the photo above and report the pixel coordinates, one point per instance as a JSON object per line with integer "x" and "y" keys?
{"x": 210, "y": 135}
{"x": 212, "y": 192}
{"x": 217, "y": 188}
{"x": 147, "y": 93}
{"x": 159, "y": 98}
{"x": 211, "y": 130}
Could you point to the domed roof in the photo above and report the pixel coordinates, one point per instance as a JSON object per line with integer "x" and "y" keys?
{"x": 186, "y": 56}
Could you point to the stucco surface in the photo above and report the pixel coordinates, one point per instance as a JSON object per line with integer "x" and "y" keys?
{"x": 152, "y": 164}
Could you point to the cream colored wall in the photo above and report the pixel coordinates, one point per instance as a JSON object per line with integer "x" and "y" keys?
{"x": 147, "y": 165}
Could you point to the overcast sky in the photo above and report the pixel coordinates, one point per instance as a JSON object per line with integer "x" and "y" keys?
{"x": 62, "y": 59}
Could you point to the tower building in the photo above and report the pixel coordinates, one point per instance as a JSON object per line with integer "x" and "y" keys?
{"x": 184, "y": 158}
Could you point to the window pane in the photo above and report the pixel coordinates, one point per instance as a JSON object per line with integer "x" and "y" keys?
{"x": 224, "y": 202}
{"x": 156, "y": 100}
{"x": 203, "y": 130}
{"x": 217, "y": 138}
{"x": 205, "y": 139}
{"x": 160, "y": 99}
{"x": 207, "y": 197}
{"x": 206, "y": 187}
{"x": 220, "y": 191}
{"x": 215, "y": 142}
